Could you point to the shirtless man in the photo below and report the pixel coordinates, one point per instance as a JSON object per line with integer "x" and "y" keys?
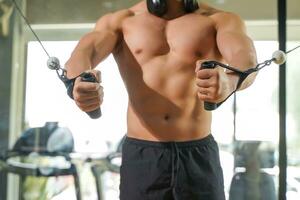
{"x": 169, "y": 152}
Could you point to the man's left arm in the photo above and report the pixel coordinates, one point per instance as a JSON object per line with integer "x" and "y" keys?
{"x": 236, "y": 48}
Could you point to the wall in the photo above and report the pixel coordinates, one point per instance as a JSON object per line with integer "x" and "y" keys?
{"x": 88, "y": 11}
{"x": 5, "y": 92}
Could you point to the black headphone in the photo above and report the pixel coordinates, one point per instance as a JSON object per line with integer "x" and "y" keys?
{"x": 159, "y": 7}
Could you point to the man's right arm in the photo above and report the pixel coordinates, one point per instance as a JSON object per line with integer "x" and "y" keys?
{"x": 89, "y": 52}
{"x": 95, "y": 46}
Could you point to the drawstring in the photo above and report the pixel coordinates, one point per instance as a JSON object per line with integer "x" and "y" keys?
{"x": 175, "y": 165}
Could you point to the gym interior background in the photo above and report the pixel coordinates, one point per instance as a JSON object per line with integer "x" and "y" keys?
{"x": 247, "y": 126}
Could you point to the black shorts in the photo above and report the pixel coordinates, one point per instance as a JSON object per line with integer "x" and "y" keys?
{"x": 171, "y": 170}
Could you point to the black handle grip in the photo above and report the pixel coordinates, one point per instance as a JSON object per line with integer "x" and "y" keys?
{"x": 88, "y": 77}
{"x": 208, "y": 105}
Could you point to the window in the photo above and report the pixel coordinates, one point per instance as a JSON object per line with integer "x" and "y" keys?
{"x": 256, "y": 114}
{"x": 257, "y": 126}
{"x": 46, "y": 100}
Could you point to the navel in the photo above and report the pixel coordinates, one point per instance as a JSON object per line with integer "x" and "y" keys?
{"x": 138, "y": 51}
{"x": 167, "y": 117}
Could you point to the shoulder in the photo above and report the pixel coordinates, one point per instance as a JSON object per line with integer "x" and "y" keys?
{"x": 227, "y": 18}
{"x": 113, "y": 20}
{"x": 128, "y": 12}
{"x": 207, "y": 10}
{"x": 220, "y": 17}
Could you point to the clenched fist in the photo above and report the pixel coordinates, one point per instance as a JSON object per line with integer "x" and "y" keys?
{"x": 213, "y": 85}
{"x": 88, "y": 96}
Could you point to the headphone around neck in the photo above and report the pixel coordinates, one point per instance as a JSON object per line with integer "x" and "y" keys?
{"x": 160, "y": 7}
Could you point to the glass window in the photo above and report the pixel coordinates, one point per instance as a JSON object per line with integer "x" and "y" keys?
{"x": 253, "y": 137}
{"x": 47, "y": 101}
{"x": 293, "y": 122}
{"x": 248, "y": 145}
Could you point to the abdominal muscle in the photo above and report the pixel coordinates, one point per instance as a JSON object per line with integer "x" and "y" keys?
{"x": 163, "y": 102}
{"x": 165, "y": 126}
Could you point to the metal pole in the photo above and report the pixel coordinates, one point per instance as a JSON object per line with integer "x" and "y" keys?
{"x": 282, "y": 8}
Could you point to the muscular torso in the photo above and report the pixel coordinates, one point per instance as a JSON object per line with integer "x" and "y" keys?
{"x": 157, "y": 61}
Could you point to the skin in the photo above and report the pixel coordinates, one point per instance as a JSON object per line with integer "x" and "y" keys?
{"x": 159, "y": 59}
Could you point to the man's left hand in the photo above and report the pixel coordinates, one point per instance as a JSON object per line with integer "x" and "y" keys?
{"x": 213, "y": 85}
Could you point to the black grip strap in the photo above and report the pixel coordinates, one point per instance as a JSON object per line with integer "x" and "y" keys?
{"x": 86, "y": 77}
{"x": 69, "y": 83}
{"x": 241, "y": 80}
{"x": 242, "y": 76}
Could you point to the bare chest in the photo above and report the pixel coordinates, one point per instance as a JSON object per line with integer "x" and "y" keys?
{"x": 189, "y": 36}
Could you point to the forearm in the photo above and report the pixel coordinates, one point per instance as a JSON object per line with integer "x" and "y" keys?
{"x": 78, "y": 62}
{"x": 90, "y": 51}
{"x": 234, "y": 80}
{"x": 242, "y": 60}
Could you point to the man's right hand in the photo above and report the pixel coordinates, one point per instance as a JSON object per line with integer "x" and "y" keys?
{"x": 88, "y": 96}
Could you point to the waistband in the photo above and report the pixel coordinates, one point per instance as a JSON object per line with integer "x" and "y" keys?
{"x": 181, "y": 144}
